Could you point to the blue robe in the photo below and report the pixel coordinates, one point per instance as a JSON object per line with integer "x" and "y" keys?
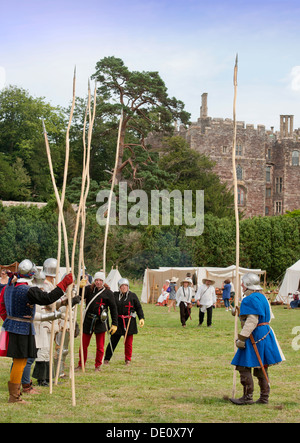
{"x": 257, "y": 304}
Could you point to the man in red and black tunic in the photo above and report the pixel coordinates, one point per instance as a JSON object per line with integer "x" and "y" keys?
{"x": 98, "y": 299}
{"x": 128, "y": 306}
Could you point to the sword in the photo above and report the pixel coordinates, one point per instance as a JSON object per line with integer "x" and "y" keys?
{"x": 259, "y": 359}
{"x": 103, "y": 318}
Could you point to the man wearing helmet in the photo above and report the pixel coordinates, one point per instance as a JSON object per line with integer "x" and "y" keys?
{"x": 128, "y": 306}
{"x": 20, "y": 301}
{"x": 256, "y": 343}
{"x": 98, "y": 298}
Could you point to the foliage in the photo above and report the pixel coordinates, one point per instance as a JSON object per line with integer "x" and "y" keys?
{"x": 143, "y": 99}
{"x": 22, "y": 143}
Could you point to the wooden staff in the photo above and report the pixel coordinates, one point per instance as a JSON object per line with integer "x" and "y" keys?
{"x": 237, "y": 280}
{"x": 64, "y": 235}
{"x": 60, "y": 223}
{"x": 81, "y": 264}
{"x": 110, "y": 195}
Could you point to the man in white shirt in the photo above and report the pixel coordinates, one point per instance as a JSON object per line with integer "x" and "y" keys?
{"x": 206, "y": 300}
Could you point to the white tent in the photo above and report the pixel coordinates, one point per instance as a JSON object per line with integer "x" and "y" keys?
{"x": 112, "y": 279}
{"x": 155, "y": 278}
{"x": 221, "y": 274}
{"x": 289, "y": 284}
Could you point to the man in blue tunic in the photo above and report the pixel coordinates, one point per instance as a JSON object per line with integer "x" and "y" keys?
{"x": 256, "y": 343}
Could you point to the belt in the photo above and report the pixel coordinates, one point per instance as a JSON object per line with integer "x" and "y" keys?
{"x": 23, "y": 320}
{"x": 123, "y": 318}
{"x": 263, "y": 324}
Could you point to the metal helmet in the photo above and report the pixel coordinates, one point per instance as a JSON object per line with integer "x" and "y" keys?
{"x": 100, "y": 276}
{"x": 49, "y": 267}
{"x": 251, "y": 281}
{"x": 123, "y": 281}
{"x": 26, "y": 268}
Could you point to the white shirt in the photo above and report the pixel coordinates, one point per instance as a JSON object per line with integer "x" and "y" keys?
{"x": 206, "y": 295}
{"x": 184, "y": 294}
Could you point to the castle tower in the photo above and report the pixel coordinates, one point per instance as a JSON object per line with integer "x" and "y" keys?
{"x": 203, "y": 108}
{"x": 286, "y": 126}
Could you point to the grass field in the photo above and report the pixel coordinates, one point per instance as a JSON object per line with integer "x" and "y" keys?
{"x": 177, "y": 375}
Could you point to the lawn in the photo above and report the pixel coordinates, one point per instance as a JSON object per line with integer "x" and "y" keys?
{"x": 177, "y": 376}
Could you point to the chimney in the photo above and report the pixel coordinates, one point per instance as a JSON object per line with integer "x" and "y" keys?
{"x": 203, "y": 108}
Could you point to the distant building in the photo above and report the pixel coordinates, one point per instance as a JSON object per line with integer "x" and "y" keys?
{"x": 267, "y": 162}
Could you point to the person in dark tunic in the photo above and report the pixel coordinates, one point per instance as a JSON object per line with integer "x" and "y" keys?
{"x": 128, "y": 306}
{"x": 20, "y": 300}
{"x": 98, "y": 299}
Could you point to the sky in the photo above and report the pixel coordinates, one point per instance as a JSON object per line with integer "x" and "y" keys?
{"x": 191, "y": 43}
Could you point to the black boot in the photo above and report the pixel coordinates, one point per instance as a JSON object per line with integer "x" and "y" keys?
{"x": 247, "y": 383}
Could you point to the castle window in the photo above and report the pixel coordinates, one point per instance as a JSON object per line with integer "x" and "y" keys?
{"x": 278, "y": 208}
{"x": 266, "y": 210}
{"x": 225, "y": 149}
{"x": 268, "y": 174}
{"x": 241, "y": 196}
{"x": 278, "y": 183}
{"x": 269, "y": 154}
{"x": 295, "y": 158}
{"x": 268, "y": 192}
{"x": 239, "y": 150}
{"x": 239, "y": 172}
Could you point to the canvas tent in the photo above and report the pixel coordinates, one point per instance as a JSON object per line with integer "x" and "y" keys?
{"x": 221, "y": 274}
{"x": 155, "y": 278}
{"x": 289, "y": 283}
{"x": 112, "y": 279}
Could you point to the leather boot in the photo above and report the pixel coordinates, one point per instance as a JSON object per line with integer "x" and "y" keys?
{"x": 29, "y": 389}
{"x": 14, "y": 390}
{"x": 247, "y": 383}
{"x": 264, "y": 391}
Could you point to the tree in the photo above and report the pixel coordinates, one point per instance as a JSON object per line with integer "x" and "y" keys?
{"x": 21, "y": 137}
{"x": 143, "y": 98}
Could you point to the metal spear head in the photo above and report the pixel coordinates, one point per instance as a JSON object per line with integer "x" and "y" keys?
{"x": 133, "y": 314}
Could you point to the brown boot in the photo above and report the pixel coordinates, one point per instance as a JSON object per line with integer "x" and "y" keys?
{"x": 29, "y": 389}
{"x": 247, "y": 383}
{"x": 14, "y": 393}
{"x": 264, "y": 391}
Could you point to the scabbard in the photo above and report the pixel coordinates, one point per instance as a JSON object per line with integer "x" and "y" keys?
{"x": 259, "y": 359}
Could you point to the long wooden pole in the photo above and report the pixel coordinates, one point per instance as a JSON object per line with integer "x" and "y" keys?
{"x": 81, "y": 264}
{"x": 62, "y": 199}
{"x": 60, "y": 207}
{"x": 111, "y": 192}
{"x": 237, "y": 279}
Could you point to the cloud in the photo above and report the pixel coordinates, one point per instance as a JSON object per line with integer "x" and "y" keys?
{"x": 295, "y": 79}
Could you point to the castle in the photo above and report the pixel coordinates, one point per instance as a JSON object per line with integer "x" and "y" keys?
{"x": 267, "y": 162}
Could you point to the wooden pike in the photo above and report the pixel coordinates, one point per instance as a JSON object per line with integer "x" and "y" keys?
{"x": 61, "y": 222}
{"x": 111, "y": 192}
{"x": 237, "y": 280}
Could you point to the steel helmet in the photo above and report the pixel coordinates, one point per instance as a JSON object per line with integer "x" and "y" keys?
{"x": 26, "y": 268}
{"x": 251, "y": 281}
{"x": 100, "y": 276}
{"x": 123, "y": 281}
{"x": 49, "y": 267}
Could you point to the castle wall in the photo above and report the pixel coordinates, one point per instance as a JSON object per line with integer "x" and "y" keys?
{"x": 268, "y": 181}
